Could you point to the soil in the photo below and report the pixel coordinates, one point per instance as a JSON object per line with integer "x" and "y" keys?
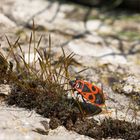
{"x": 66, "y": 112}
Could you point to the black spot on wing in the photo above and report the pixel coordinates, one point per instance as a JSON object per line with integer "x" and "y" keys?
{"x": 90, "y": 97}
{"x": 93, "y": 88}
{"x": 86, "y": 89}
{"x": 99, "y": 99}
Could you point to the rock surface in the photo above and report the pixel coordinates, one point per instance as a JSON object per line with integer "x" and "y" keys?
{"x": 18, "y": 123}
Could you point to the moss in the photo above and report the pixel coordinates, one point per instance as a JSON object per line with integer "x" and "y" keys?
{"x": 131, "y": 35}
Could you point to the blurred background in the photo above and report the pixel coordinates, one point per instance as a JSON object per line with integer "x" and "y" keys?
{"x": 99, "y": 32}
{"x": 102, "y": 33}
{"x": 135, "y": 4}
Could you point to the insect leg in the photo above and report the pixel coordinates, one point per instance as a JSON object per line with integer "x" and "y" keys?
{"x": 83, "y": 99}
{"x": 90, "y": 109}
{"x": 79, "y": 106}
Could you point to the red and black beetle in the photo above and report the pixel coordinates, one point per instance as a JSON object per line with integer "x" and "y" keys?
{"x": 89, "y": 92}
{"x": 92, "y": 96}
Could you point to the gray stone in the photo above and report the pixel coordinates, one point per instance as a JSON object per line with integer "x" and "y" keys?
{"x": 5, "y": 89}
{"x": 98, "y": 26}
{"x": 23, "y": 11}
{"x": 6, "y": 23}
{"x": 131, "y": 84}
{"x": 64, "y": 26}
{"x": 94, "y": 50}
{"x": 18, "y": 123}
{"x": 84, "y": 49}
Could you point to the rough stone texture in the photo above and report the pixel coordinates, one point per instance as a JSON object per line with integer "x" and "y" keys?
{"x": 18, "y": 123}
{"x": 131, "y": 84}
{"x": 5, "y": 22}
{"x": 82, "y": 48}
{"x": 23, "y": 11}
{"x": 98, "y": 26}
{"x": 4, "y": 89}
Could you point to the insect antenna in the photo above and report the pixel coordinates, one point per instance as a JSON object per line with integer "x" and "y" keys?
{"x": 82, "y": 70}
{"x": 71, "y": 75}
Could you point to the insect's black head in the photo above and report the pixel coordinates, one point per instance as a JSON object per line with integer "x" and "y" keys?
{"x": 72, "y": 83}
